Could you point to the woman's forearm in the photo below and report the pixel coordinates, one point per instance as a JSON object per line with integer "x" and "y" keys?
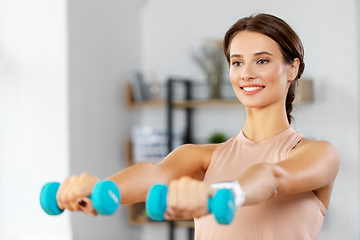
{"x": 135, "y": 181}
{"x": 260, "y": 182}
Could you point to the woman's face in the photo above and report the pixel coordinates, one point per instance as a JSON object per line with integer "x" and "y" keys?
{"x": 258, "y": 72}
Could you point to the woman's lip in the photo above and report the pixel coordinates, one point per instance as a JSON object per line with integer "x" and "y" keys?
{"x": 251, "y": 85}
{"x": 249, "y": 90}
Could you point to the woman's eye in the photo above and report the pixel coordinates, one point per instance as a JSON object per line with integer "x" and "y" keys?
{"x": 236, "y": 63}
{"x": 262, "y": 61}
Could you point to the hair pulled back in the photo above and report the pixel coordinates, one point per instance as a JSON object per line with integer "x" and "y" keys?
{"x": 277, "y": 29}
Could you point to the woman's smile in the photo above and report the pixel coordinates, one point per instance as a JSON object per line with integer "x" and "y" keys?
{"x": 251, "y": 89}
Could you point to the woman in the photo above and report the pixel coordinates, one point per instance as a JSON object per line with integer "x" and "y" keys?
{"x": 282, "y": 181}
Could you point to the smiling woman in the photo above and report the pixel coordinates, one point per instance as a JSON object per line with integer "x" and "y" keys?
{"x": 286, "y": 193}
{"x": 281, "y": 181}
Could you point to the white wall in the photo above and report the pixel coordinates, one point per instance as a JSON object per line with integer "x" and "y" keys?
{"x": 63, "y": 68}
{"x": 328, "y": 30}
{"x": 104, "y": 40}
{"x": 33, "y": 115}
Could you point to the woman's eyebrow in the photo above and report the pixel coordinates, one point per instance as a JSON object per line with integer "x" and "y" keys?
{"x": 235, "y": 55}
{"x": 262, "y": 53}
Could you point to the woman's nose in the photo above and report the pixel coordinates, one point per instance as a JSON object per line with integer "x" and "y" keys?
{"x": 247, "y": 73}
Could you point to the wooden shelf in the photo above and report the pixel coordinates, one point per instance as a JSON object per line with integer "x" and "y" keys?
{"x": 130, "y": 103}
{"x": 207, "y": 103}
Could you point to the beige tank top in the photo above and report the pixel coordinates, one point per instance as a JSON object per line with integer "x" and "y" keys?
{"x": 292, "y": 216}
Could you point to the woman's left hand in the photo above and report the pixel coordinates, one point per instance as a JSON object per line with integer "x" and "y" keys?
{"x": 187, "y": 199}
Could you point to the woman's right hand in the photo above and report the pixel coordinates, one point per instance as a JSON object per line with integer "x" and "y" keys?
{"x": 74, "y": 192}
{"x": 187, "y": 199}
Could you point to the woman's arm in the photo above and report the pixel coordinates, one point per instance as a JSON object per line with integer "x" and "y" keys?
{"x": 134, "y": 182}
{"x": 187, "y": 160}
{"x": 311, "y": 166}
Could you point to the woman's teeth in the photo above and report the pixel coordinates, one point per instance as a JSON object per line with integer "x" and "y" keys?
{"x": 250, "y": 89}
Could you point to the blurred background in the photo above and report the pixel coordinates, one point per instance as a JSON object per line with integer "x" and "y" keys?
{"x": 70, "y": 102}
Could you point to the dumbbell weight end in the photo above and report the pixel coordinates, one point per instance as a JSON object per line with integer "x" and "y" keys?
{"x": 156, "y": 202}
{"x": 48, "y": 198}
{"x": 222, "y": 205}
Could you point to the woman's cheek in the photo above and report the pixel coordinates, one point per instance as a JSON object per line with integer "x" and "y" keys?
{"x": 233, "y": 76}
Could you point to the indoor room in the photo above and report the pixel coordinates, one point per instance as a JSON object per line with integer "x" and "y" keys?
{"x": 89, "y": 86}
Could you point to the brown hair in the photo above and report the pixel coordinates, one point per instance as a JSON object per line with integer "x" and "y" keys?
{"x": 277, "y": 29}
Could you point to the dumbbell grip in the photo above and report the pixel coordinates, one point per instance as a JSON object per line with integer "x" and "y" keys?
{"x": 105, "y": 198}
{"x": 222, "y": 204}
{"x": 48, "y": 196}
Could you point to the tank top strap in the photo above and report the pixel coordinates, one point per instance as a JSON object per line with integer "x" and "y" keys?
{"x": 297, "y": 137}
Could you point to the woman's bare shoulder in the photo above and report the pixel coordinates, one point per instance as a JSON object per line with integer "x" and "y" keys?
{"x": 187, "y": 160}
{"x": 204, "y": 150}
{"x": 323, "y": 148}
{"x": 209, "y": 147}
{"x": 309, "y": 142}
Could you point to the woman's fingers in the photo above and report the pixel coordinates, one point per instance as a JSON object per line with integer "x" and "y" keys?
{"x": 72, "y": 197}
{"x": 86, "y": 206}
{"x": 74, "y": 188}
{"x": 203, "y": 199}
{"x": 60, "y": 194}
{"x": 172, "y": 199}
{"x": 187, "y": 198}
{"x": 84, "y": 188}
{"x": 63, "y": 194}
{"x": 85, "y": 185}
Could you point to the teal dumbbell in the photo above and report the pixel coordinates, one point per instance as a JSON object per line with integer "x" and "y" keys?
{"x": 222, "y": 204}
{"x": 105, "y": 197}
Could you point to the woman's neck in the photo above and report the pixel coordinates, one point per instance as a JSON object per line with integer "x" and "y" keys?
{"x": 264, "y": 123}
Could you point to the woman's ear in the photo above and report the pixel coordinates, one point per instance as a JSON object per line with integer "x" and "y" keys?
{"x": 293, "y": 69}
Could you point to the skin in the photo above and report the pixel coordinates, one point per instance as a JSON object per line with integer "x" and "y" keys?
{"x": 311, "y": 165}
